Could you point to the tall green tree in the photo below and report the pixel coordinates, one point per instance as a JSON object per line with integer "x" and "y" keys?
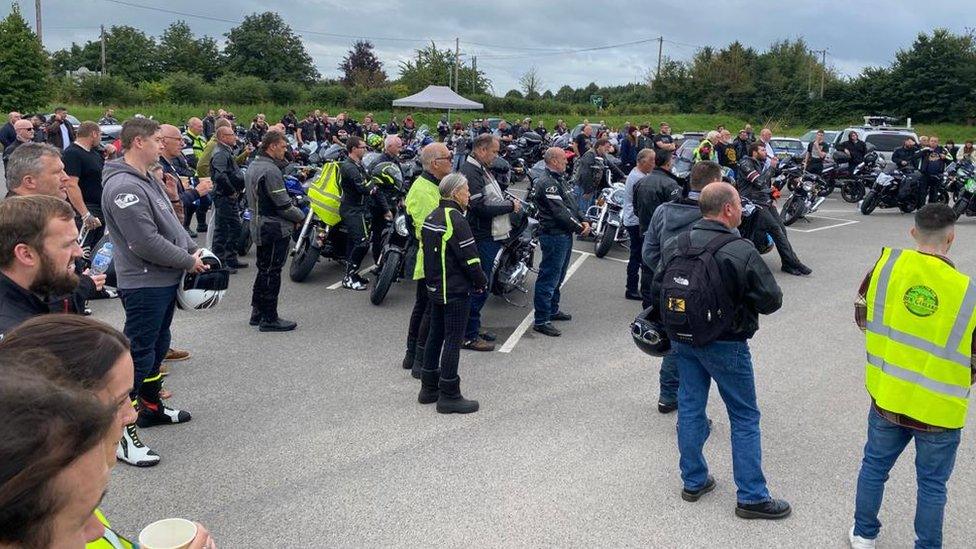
{"x": 24, "y": 65}
{"x": 361, "y": 67}
{"x": 129, "y": 54}
{"x": 263, "y": 45}
{"x": 432, "y": 66}
{"x": 181, "y": 51}
{"x": 935, "y": 79}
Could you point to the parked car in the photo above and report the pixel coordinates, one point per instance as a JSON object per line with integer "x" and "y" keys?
{"x": 885, "y": 139}
{"x": 679, "y": 138}
{"x": 786, "y": 147}
{"x": 829, "y": 136}
{"x": 684, "y": 155}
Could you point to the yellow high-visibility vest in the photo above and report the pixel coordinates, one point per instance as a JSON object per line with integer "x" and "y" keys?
{"x": 325, "y": 194}
{"x": 109, "y": 540}
{"x": 920, "y": 322}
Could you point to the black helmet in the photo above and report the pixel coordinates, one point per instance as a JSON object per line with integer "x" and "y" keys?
{"x": 649, "y": 335}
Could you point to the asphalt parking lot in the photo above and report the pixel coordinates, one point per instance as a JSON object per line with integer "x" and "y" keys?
{"x": 314, "y": 438}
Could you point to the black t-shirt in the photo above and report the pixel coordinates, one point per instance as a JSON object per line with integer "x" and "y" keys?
{"x": 87, "y": 167}
{"x": 582, "y": 143}
{"x": 663, "y": 138}
{"x": 307, "y": 127}
{"x": 816, "y": 163}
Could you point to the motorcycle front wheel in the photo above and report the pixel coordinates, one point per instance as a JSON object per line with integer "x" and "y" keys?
{"x": 606, "y": 241}
{"x": 304, "y": 260}
{"x": 852, "y": 192}
{"x": 388, "y": 274}
{"x": 792, "y": 210}
{"x": 960, "y": 206}
{"x": 870, "y": 202}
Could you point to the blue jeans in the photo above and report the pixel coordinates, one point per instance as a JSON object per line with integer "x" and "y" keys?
{"x": 935, "y": 456}
{"x": 487, "y": 250}
{"x": 556, "y": 252}
{"x": 585, "y": 200}
{"x": 669, "y": 380}
{"x": 148, "y": 315}
{"x": 730, "y": 365}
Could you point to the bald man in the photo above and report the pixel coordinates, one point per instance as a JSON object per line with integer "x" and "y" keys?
{"x": 7, "y": 133}
{"x": 724, "y": 358}
{"x": 24, "y": 132}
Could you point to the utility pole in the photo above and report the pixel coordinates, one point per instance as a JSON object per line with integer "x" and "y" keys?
{"x": 474, "y": 72}
{"x": 823, "y": 69}
{"x": 104, "y": 70}
{"x": 457, "y": 62}
{"x": 37, "y": 18}
{"x": 660, "y": 52}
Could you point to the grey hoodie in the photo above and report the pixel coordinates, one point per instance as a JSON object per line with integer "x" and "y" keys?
{"x": 669, "y": 220}
{"x": 152, "y": 249}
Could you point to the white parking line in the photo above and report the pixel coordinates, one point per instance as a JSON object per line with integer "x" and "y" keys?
{"x": 843, "y": 223}
{"x": 618, "y": 260}
{"x": 527, "y": 321}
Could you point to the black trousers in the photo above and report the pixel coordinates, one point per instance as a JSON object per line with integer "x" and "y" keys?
{"x": 271, "y": 255}
{"x": 376, "y": 228}
{"x": 357, "y": 243}
{"x": 447, "y": 324}
{"x": 190, "y": 209}
{"x": 773, "y": 224}
{"x": 635, "y": 261}
{"x": 929, "y": 186}
{"x": 419, "y": 319}
{"x": 227, "y": 228}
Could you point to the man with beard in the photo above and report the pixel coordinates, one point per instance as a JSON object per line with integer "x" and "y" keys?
{"x": 38, "y": 249}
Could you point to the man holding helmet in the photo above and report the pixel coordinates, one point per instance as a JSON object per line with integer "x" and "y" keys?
{"x": 152, "y": 251}
{"x": 271, "y": 228}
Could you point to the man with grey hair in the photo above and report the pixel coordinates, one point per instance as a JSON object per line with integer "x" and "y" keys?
{"x": 422, "y": 198}
{"x": 488, "y": 217}
{"x": 36, "y": 168}
{"x": 24, "y": 134}
{"x": 559, "y": 217}
{"x": 7, "y": 133}
{"x": 645, "y": 164}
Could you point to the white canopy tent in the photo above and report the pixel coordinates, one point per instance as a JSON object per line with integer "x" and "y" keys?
{"x": 438, "y": 97}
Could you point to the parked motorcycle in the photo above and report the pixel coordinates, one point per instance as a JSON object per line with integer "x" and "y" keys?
{"x": 806, "y": 198}
{"x": 965, "y": 204}
{"x": 396, "y": 237}
{"x": 515, "y": 260}
{"x": 894, "y": 188}
{"x": 862, "y": 178}
{"x": 316, "y": 239}
{"x": 606, "y": 219}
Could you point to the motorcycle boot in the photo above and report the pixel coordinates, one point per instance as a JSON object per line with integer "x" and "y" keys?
{"x": 132, "y": 451}
{"x": 429, "y": 391}
{"x": 417, "y": 367}
{"x": 277, "y": 325}
{"x": 450, "y": 400}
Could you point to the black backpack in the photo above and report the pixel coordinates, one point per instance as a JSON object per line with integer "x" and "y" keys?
{"x": 695, "y": 306}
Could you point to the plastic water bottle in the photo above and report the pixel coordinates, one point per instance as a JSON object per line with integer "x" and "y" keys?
{"x": 102, "y": 259}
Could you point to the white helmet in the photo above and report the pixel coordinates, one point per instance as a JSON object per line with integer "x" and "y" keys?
{"x": 203, "y": 290}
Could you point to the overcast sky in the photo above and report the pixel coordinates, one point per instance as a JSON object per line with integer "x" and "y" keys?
{"x": 510, "y": 36}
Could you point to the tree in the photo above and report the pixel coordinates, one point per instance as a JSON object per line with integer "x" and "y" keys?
{"x": 265, "y": 47}
{"x": 180, "y": 51}
{"x": 515, "y": 94}
{"x": 24, "y": 65}
{"x": 432, "y": 66}
{"x": 129, "y": 54}
{"x": 530, "y": 83}
{"x": 548, "y": 96}
{"x": 565, "y": 94}
{"x": 935, "y": 79}
{"x": 360, "y": 66}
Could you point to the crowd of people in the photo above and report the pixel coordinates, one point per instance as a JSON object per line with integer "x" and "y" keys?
{"x": 71, "y": 192}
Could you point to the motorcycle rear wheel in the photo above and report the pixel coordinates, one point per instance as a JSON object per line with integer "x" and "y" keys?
{"x": 908, "y": 207}
{"x": 303, "y": 261}
{"x": 605, "y": 243}
{"x": 388, "y": 274}
{"x": 852, "y": 192}
{"x": 960, "y": 206}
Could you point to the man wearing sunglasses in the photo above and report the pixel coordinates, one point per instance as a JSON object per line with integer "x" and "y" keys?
{"x": 358, "y": 193}
{"x": 24, "y": 132}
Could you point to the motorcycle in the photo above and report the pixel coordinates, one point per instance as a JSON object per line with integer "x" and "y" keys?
{"x": 396, "y": 237}
{"x": 838, "y": 173}
{"x": 515, "y": 260}
{"x": 863, "y": 178}
{"x": 606, "y": 217}
{"x": 965, "y": 204}
{"x": 893, "y": 188}
{"x": 789, "y": 173}
{"x": 315, "y": 240}
{"x": 806, "y": 198}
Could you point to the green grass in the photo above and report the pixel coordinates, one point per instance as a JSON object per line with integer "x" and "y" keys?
{"x": 178, "y": 114}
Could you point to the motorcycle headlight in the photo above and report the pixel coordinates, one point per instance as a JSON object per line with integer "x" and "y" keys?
{"x": 400, "y": 225}
{"x": 618, "y": 196}
{"x": 808, "y": 186}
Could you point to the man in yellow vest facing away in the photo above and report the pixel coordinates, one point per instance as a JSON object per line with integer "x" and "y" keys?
{"x": 917, "y": 312}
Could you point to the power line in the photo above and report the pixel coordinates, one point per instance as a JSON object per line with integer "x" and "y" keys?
{"x": 299, "y": 31}
{"x": 572, "y": 51}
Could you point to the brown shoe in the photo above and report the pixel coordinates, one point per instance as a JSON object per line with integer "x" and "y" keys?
{"x": 478, "y": 345}
{"x": 176, "y": 355}
{"x": 164, "y": 369}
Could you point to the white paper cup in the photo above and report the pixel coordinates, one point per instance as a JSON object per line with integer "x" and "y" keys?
{"x": 171, "y": 533}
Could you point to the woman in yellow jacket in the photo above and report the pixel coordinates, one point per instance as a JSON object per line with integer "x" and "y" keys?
{"x": 96, "y": 357}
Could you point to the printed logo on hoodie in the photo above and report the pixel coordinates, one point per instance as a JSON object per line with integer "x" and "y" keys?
{"x": 124, "y": 200}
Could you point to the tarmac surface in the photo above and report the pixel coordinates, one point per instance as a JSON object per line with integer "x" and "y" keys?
{"x": 314, "y": 438}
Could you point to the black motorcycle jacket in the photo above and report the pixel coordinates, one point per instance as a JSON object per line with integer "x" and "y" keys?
{"x": 487, "y": 202}
{"x": 753, "y": 181}
{"x": 651, "y": 191}
{"x": 228, "y": 179}
{"x": 589, "y": 173}
{"x": 356, "y": 187}
{"x": 558, "y": 209}
{"x": 266, "y": 190}
{"x": 452, "y": 267}
{"x": 907, "y": 157}
{"x": 745, "y": 275}
{"x": 856, "y": 150}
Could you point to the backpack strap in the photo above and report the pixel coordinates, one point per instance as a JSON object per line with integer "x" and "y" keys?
{"x": 720, "y": 241}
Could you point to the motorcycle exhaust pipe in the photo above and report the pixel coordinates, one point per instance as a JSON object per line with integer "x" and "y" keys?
{"x": 817, "y": 204}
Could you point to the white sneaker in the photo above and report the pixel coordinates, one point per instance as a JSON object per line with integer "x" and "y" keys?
{"x": 351, "y": 283}
{"x": 132, "y": 451}
{"x": 857, "y": 542}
